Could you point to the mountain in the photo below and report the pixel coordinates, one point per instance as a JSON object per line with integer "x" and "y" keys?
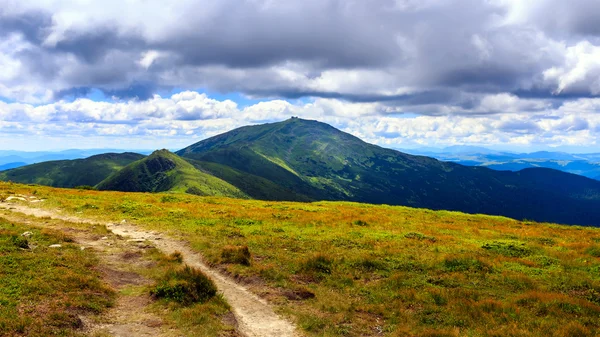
{"x": 319, "y": 162}
{"x": 9, "y": 166}
{"x": 71, "y": 173}
{"x": 587, "y": 165}
{"x": 27, "y": 157}
{"x": 164, "y": 171}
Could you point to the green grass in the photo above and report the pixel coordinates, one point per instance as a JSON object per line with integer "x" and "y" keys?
{"x": 398, "y": 270}
{"x": 192, "y": 313}
{"x": 42, "y": 289}
{"x": 164, "y": 171}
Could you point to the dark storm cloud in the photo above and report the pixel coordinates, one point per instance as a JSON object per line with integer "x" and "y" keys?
{"x": 330, "y": 34}
{"x": 447, "y": 52}
{"x": 92, "y": 47}
{"x": 31, "y": 24}
{"x": 569, "y": 17}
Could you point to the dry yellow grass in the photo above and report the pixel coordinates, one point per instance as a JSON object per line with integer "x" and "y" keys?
{"x": 377, "y": 270}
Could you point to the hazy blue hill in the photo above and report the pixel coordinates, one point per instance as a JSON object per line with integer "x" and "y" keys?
{"x": 322, "y": 163}
{"x": 71, "y": 173}
{"x": 165, "y": 171}
{"x": 587, "y": 165}
{"x": 9, "y": 166}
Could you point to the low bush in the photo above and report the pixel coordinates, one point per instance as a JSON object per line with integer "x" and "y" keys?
{"x": 186, "y": 286}
{"x": 236, "y": 255}
{"x": 509, "y": 249}
{"x": 319, "y": 264}
{"x": 420, "y": 237}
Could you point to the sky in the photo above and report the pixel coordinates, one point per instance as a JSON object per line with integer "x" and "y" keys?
{"x": 510, "y": 74}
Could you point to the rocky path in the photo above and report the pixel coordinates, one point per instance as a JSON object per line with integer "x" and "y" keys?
{"x": 255, "y": 317}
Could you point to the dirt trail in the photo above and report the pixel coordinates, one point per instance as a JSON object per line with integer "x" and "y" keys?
{"x": 129, "y": 316}
{"x": 254, "y": 315}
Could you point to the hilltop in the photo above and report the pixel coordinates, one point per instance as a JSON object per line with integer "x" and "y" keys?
{"x": 164, "y": 171}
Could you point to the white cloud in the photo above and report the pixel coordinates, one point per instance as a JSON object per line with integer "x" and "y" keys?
{"x": 187, "y": 117}
{"x": 580, "y": 71}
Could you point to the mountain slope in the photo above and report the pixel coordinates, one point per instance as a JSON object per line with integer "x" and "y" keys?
{"x": 322, "y": 163}
{"x": 71, "y": 173}
{"x": 165, "y": 171}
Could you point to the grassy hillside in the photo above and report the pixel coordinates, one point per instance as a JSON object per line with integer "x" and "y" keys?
{"x": 165, "y": 171}
{"x": 71, "y": 173}
{"x": 322, "y": 163}
{"x": 349, "y": 269}
{"x": 254, "y": 186}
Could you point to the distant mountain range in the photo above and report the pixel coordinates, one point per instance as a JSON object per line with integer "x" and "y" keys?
{"x": 587, "y": 165}
{"x": 11, "y": 159}
{"x": 303, "y": 160}
{"x": 71, "y": 173}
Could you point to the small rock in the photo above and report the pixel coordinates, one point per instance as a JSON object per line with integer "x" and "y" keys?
{"x": 82, "y": 248}
{"x": 15, "y": 198}
{"x": 157, "y": 238}
{"x": 55, "y": 246}
{"x": 123, "y": 221}
{"x": 27, "y": 234}
{"x": 104, "y": 238}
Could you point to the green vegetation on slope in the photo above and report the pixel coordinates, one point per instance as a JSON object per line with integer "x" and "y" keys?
{"x": 320, "y": 162}
{"x": 165, "y": 171}
{"x": 254, "y": 186}
{"x": 71, "y": 173}
{"x": 43, "y": 289}
{"x": 348, "y": 269}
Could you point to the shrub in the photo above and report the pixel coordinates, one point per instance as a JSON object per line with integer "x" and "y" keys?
{"x": 318, "y": 264}
{"x": 186, "y": 286}
{"x": 593, "y": 251}
{"x": 509, "y": 249}
{"x": 465, "y": 264}
{"x": 420, "y": 237}
{"x": 20, "y": 241}
{"x": 168, "y": 198}
{"x": 360, "y": 223}
{"x": 195, "y": 191}
{"x": 175, "y": 257}
{"x": 85, "y": 187}
{"x": 369, "y": 265}
{"x": 236, "y": 255}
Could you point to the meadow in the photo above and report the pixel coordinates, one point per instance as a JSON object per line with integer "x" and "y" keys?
{"x": 43, "y": 290}
{"x": 350, "y": 269}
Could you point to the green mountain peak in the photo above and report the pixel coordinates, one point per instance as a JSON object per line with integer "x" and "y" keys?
{"x": 165, "y": 171}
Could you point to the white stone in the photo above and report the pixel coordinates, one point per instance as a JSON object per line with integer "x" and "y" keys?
{"x": 55, "y": 246}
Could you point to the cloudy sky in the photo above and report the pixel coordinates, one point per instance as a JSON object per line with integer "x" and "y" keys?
{"x": 150, "y": 74}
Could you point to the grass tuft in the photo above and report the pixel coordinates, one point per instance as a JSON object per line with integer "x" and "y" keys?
{"x": 236, "y": 255}
{"x": 185, "y": 286}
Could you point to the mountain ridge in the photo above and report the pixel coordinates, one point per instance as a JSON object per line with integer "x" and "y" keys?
{"x": 306, "y": 160}
{"x": 324, "y": 163}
